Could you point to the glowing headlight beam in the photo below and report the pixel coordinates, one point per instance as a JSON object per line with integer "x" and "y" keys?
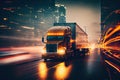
{"x": 61, "y": 51}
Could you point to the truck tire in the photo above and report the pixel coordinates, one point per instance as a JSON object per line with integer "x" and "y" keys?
{"x": 45, "y": 60}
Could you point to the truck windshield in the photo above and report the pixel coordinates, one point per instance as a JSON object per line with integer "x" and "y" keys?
{"x": 54, "y": 38}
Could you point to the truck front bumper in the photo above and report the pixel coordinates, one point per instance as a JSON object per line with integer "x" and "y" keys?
{"x": 52, "y": 56}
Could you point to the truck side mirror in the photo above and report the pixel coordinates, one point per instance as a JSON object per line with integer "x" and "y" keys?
{"x": 43, "y": 40}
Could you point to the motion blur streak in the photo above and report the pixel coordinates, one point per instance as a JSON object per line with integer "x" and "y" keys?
{"x": 14, "y": 59}
{"x": 112, "y": 40}
{"x": 30, "y": 49}
{"x": 62, "y": 72}
{"x": 117, "y": 28}
{"x": 42, "y": 70}
{"x": 115, "y": 67}
{"x": 114, "y": 48}
{"x": 20, "y": 38}
{"x": 107, "y": 33}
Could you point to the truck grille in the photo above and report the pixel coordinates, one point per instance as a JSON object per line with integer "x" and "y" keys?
{"x": 51, "y": 47}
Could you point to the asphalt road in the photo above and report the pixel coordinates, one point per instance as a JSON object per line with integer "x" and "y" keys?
{"x": 78, "y": 68}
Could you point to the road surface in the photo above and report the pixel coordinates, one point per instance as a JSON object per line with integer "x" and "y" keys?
{"x": 34, "y": 68}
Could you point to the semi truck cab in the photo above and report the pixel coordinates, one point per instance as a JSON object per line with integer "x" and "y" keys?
{"x": 57, "y": 42}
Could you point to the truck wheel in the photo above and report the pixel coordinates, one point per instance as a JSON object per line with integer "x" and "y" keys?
{"x": 45, "y": 59}
{"x": 65, "y": 58}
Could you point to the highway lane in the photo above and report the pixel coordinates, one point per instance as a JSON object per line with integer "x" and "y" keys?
{"x": 78, "y": 68}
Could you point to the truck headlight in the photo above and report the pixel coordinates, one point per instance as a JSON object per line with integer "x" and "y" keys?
{"x": 43, "y": 51}
{"x": 61, "y": 51}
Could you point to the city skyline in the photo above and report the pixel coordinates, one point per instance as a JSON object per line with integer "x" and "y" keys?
{"x": 28, "y": 19}
{"x": 87, "y": 14}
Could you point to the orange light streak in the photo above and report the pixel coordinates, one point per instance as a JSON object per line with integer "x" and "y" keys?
{"x": 112, "y": 65}
{"x": 114, "y": 48}
{"x": 107, "y": 33}
{"x": 115, "y": 30}
{"x": 115, "y": 39}
{"x": 55, "y": 34}
{"x": 112, "y": 40}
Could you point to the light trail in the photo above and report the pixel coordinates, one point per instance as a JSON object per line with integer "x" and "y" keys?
{"x": 112, "y": 40}
{"x": 20, "y": 38}
{"x": 113, "y": 48}
{"x": 106, "y": 34}
{"x": 109, "y": 33}
{"x": 117, "y": 28}
{"x": 13, "y": 59}
{"x": 113, "y": 65}
{"x": 30, "y": 49}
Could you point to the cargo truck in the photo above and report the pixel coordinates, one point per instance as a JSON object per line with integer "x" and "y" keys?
{"x": 65, "y": 40}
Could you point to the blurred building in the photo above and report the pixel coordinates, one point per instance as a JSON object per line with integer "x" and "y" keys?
{"x": 29, "y": 18}
{"x": 35, "y": 14}
{"x": 24, "y": 19}
{"x": 60, "y": 13}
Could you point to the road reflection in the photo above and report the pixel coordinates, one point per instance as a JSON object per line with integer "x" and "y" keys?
{"x": 90, "y": 61}
{"x": 62, "y": 71}
{"x": 77, "y": 68}
{"x": 42, "y": 70}
{"x": 13, "y": 59}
